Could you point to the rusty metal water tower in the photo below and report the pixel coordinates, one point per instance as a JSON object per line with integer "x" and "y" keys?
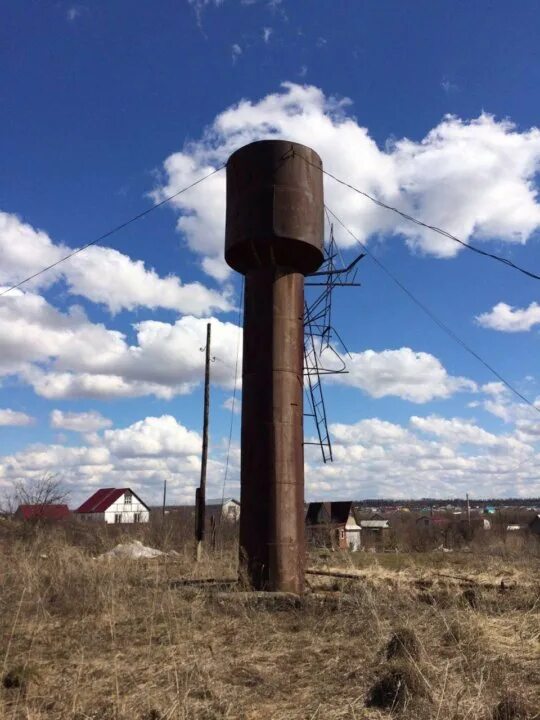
{"x": 274, "y": 236}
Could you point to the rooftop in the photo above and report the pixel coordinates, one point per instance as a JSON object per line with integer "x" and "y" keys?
{"x": 47, "y": 512}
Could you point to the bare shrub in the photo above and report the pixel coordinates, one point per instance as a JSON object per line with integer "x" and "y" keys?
{"x": 399, "y": 686}
{"x": 46, "y": 490}
{"x": 471, "y": 596}
{"x": 403, "y": 643}
{"x": 511, "y": 707}
{"x": 19, "y": 678}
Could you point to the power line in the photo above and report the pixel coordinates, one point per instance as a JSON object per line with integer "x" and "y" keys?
{"x": 113, "y": 231}
{"x": 433, "y": 317}
{"x": 234, "y": 394}
{"x": 412, "y": 219}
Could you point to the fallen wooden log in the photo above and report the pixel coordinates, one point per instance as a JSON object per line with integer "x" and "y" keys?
{"x": 462, "y": 578}
{"x": 261, "y": 598}
{"x": 336, "y": 574}
{"x": 185, "y": 582}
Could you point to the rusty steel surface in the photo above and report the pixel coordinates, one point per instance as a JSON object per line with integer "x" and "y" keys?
{"x": 272, "y": 457}
{"x": 275, "y": 209}
{"x": 274, "y": 236}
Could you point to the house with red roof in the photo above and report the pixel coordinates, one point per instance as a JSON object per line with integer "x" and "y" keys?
{"x": 42, "y": 512}
{"x": 113, "y": 506}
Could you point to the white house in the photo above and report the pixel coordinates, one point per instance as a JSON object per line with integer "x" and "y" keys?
{"x": 114, "y": 505}
{"x": 352, "y": 532}
{"x": 229, "y": 508}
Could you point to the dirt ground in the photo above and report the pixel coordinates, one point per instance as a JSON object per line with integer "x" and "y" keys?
{"x": 409, "y": 636}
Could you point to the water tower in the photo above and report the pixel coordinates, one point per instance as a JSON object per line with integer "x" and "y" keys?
{"x": 274, "y": 237}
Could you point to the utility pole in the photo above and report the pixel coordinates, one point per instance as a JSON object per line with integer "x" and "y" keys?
{"x": 164, "y": 496}
{"x": 200, "y": 495}
{"x": 469, "y": 516}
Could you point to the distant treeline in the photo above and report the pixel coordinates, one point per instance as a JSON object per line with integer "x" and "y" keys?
{"x": 460, "y": 502}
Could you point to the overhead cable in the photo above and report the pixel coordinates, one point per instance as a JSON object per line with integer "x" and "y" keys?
{"x": 433, "y": 317}
{"x": 112, "y": 231}
{"x": 226, "y": 473}
{"x": 412, "y": 219}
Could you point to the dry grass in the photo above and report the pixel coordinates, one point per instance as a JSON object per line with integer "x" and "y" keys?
{"x": 90, "y": 639}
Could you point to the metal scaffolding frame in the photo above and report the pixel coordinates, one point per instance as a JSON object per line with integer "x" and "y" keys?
{"x": 320, "y": 336}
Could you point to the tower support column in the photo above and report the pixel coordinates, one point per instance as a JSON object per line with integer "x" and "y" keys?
{"x": 272, "y": 456}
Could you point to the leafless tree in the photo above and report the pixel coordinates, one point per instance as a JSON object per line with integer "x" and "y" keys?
{"x": 46, "y": 490}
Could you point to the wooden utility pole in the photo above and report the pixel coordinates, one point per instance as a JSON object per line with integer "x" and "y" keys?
{"x": 200, "y": 495}
{"x": 164, "y": 496}
{"x": 469, "y": 515}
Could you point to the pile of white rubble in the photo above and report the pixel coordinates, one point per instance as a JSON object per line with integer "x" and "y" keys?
{"x": 133, "y": 550}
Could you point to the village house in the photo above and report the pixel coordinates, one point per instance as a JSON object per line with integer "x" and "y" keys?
{"x": 226, "y": 509}
{"x": 435, "y": 528}
{"x": 374, "y": 526}
{"x": 374, "y": 532}
{"x": 439, "y": 522}
{"x": 42, "y": 512}
{"x": 113, "y": 506}
{"x": 332, "y": 524}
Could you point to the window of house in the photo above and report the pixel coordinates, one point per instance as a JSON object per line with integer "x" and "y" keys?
{"x": 117, "y": 517}
{"x": 127, "y": 498}
{"x": 137, "y": 517}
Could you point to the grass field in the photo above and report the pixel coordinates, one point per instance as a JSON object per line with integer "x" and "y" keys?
{"x": 413, "y": 636}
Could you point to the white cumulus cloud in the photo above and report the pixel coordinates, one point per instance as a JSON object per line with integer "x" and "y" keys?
{"x": 405, "y": 373}
{"x": 102, "y": 275}
{"x": 431, "y": 456}
{"x": 65, "y": 355}
{"x": 506, "y": 318}
{"x": 457, "y": 431}
{"x": 55, "y": 352}
{"x": 500, "y": 401}
{"x": 141, "y": 456}
{"x": 14, "y": 417}
{"x": 153, "y": 437}
{"x": 475, "y": 178}
{"x": 377, "y": 458}
{"x": 81, "y": 422}
{"x": 369, "y": 432}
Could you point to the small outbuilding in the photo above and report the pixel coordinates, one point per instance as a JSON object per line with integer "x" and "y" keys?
{"x": 332, "y": 524}
{"x": 374, "y": 532}
{"x": 42, "y": 512}
{"x": 439, "y": 522}
{"x": 113, "y": 506}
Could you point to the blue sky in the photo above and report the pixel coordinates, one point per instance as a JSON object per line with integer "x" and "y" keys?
{"x": 109, "y": 106}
